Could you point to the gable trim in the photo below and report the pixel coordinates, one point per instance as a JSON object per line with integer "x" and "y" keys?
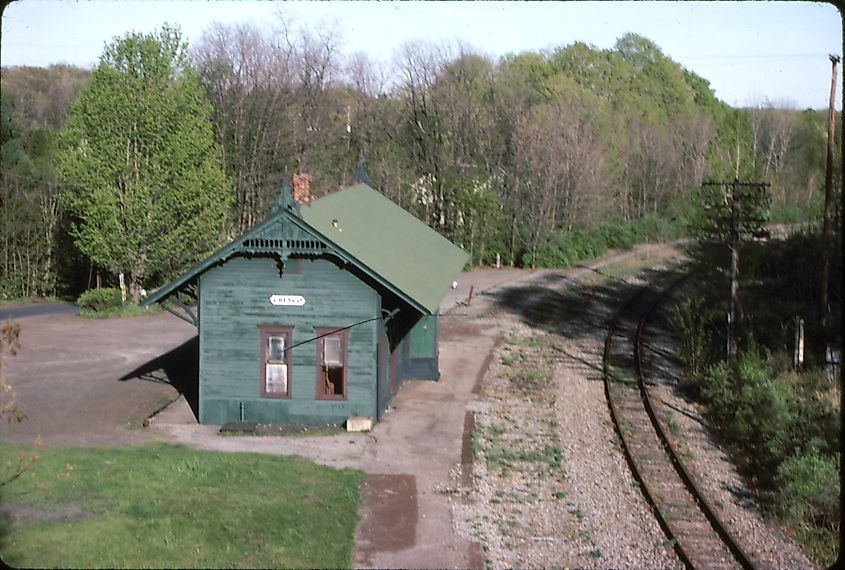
{"x": 254, "y": 243}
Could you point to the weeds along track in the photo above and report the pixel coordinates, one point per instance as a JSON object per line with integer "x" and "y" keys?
{"x": 686, "y": 516}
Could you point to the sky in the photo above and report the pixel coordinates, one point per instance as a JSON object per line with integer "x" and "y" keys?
{"x": 752, "y": 53}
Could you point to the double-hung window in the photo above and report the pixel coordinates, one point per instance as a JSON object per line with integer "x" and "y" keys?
{"x": 276, "y": 362}
{"x": 331, "y": 363}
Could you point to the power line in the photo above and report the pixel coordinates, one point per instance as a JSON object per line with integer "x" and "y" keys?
{"x": 754, "y": 56}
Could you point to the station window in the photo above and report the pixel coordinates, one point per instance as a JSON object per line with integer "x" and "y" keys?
{"x": 276, "y": 361}
{"x": 331, "y": 363}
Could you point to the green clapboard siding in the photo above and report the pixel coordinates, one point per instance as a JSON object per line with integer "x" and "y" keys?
{"x": 424, "y": 338}
{"x": 234, "y": 304}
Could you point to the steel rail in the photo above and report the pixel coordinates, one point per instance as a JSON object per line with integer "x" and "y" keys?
{"x": 688, "y": 480}
{"x": 614, "y": 416}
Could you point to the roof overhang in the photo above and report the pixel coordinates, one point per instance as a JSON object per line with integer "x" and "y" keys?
{"x": 301, "y": 239}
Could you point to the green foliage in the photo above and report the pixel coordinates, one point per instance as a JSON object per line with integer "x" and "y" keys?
{"x": 42, "y": 95}
{"x": 784, "y": 426}
{"x": 619, "y": 235}
{"x": 779, "y": 281}
{"x": 691, "y": 322}
{"x": 29, "y": 212}
{"x": 501, "y": 156}
{"x": 138, "y": 159}
{"x": 566, "y": 248}
{"x": 657, "y": 228}
{"x": 169, "y": 506}
{"x": 755, "y": 405}
{"x": 787, "y": 427}
{"x": 106, "y": 302}
{"x": 100, "y": 300}
{"x": 479, "y": 223}
{"x": 808, "y": 489}
{"x": 37, "y": 258}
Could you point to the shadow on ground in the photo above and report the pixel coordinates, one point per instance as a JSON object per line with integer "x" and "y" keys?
{"x": 179, "y": 368}
{"x": 557, "y": 299}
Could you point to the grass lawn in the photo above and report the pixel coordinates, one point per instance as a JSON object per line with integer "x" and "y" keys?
{"x": 174, "y": 507}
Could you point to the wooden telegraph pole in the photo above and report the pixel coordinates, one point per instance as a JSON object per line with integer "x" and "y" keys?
{"x": 828, "y": 190}
{"x": 738, "y": 211}
{"x": 734, "y": 247}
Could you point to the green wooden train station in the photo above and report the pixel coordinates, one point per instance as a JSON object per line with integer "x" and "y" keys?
{"x": 318, "y": 313}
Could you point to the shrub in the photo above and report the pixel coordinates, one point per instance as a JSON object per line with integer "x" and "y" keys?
{"x": 100, "y": 300}
{"x": 563, "y": 248}
{"x": 691, "y": 322}
{"x": 808, "y": 488}
{"x": 619, "y": 235}
{"x": 754, "y": 406}
{"x": 765, "y": 416}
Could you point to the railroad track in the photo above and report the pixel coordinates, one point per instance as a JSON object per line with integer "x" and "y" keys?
{"x": 686, "y": 516}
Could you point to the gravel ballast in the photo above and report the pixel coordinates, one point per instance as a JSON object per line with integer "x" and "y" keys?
{"x": 550, "y": 486}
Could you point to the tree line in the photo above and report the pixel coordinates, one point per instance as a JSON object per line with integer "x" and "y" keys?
{"x": 164, "y": 151}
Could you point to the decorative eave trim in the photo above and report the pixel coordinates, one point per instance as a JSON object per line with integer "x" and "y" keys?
{"x": 251, "y": 243}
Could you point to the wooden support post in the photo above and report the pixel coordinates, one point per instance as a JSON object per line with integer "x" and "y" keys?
{"x": 122, "y": 289}
{"x": 748, "y": 202}
{"x": 828, "y": 190}
{"x": 798, "y": 358}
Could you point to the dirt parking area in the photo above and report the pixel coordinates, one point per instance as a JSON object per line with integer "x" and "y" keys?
{"x": 90, "y": 382}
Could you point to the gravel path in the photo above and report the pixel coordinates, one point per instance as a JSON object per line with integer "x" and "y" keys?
{"x": 601, "y": 482}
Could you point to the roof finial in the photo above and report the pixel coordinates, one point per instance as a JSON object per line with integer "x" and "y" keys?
{"x": 361, "y": 175}
{"x": 285, "y": 198}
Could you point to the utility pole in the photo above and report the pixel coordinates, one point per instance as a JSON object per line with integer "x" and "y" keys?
{"x": 348, "y": 128}
{"x": 828, "y": 190}
{"x": 739, "y": 211}
{"x": 734, "y": 247}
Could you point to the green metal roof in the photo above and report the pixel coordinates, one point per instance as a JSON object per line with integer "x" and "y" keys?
{"x": 389, "y": 241}
{"x": 362, "y": 227}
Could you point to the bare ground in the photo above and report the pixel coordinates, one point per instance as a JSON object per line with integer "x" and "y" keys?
{"x": 78, "y": 379}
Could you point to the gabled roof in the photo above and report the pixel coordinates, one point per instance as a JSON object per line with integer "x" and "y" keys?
{"x": 389, "y": 241}
{"x": 359, "y": 226}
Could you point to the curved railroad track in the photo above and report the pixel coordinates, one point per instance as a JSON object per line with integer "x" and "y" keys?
{"x": 686, "y": 516}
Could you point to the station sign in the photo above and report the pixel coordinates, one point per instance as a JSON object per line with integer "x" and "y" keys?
{"x": 287, "y": 300}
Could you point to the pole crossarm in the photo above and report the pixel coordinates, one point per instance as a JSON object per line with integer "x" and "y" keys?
{"x": 740, "y": 210}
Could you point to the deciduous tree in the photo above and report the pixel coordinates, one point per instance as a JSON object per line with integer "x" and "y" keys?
{"x": 140, "y": 169}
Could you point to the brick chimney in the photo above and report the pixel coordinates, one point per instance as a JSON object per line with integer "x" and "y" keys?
{"x": 302, "y": 187}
